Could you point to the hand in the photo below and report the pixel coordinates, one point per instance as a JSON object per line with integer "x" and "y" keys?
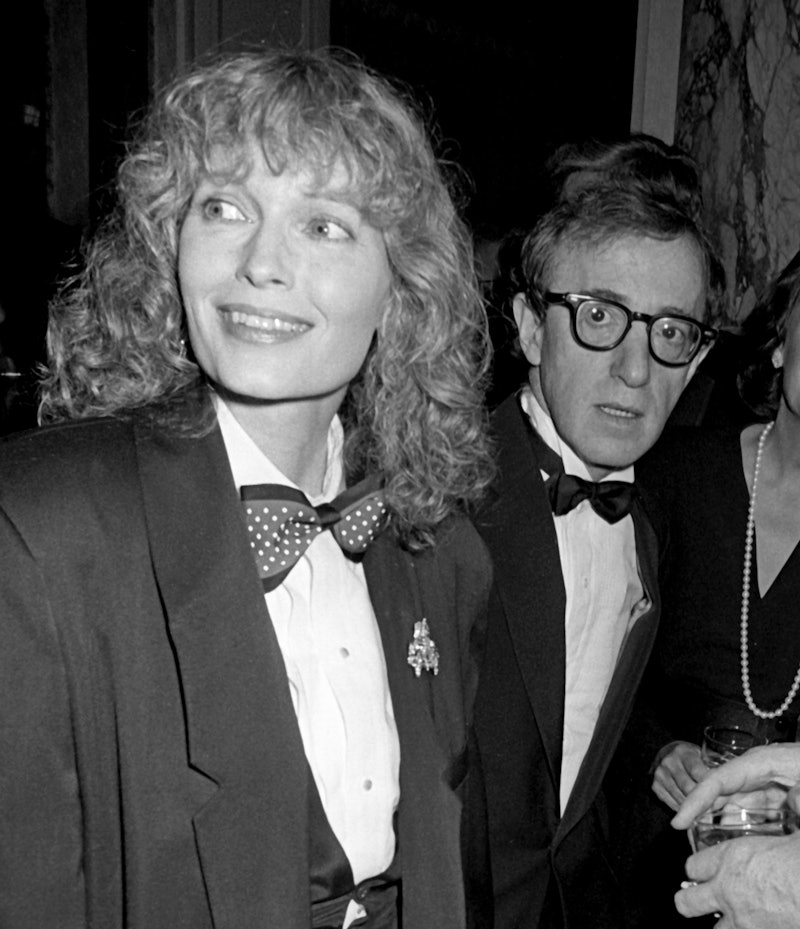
{"x": 759, "y": 777}
{"x": 752, "y": 882}
{"x": 679, "y": 770}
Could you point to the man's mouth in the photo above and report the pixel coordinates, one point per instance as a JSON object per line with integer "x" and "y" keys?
{"x": 619, "y": 412}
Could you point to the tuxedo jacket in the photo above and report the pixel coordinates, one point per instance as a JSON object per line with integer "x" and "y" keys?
{"x": 548, "y": 870}
{"x": 152, "y": 772}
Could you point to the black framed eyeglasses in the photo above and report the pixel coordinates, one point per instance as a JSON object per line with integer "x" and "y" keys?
{"x": 601, "y": 325}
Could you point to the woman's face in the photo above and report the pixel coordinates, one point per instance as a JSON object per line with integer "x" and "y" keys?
{"x": 283, "y": 283}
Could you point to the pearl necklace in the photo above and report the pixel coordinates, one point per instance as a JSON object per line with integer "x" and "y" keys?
{"x": 748, "y": 560}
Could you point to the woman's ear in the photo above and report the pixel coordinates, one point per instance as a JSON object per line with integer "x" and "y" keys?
{"x": 777, "y": 357}
{"x": 530, "y": 328}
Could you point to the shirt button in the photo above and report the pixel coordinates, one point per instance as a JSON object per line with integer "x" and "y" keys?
{"x": 344, "y": 652}
{"x": 367, "y": 784}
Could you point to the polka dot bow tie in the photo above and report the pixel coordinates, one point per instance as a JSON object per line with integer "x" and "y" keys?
{"x": 281, "y": 524}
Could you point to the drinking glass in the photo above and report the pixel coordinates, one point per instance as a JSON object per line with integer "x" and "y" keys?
{"x": 720, "y": 744}
{"x": 734, "y": 822}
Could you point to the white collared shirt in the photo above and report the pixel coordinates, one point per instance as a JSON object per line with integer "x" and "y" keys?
{"x": 331, "y": 646}
{"x": 604, "y": 598}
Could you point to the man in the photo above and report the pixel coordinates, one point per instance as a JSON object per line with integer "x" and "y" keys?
{"x": 754, "y": 884}
{"x": 611, "y": 321}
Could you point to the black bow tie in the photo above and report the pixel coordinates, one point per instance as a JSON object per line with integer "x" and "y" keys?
{"x": 611, "y": 500}
{"x": 281, "y": 523}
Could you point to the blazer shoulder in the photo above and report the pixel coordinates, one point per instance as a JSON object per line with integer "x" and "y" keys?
{"x": 58, "y": 475}
{"x": 459, "y": 548}
{"x": 59, "y": 449}
{"x": 456, "y": 570}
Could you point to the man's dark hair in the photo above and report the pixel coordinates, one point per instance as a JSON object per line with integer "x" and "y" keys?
{"x": 605, "y": 191}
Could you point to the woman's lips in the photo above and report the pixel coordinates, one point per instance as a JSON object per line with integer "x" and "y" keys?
{"x": 264, "y": 323}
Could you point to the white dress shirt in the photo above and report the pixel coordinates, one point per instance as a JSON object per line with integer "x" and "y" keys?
{"x": 604, "y": 599}
{"x": 331, "y": 646}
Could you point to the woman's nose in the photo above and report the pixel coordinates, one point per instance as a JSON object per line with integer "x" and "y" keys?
{"x": 265, "y": 258}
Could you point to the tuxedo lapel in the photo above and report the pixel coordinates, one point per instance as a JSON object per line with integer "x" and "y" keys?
{"x": 625, "y": 681}
{"x": 518, "y": 528}
{"x": 403, "y": 591}
{"x": 252, "y": 833}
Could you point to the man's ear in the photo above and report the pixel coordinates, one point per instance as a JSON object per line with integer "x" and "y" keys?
{"x": 530, "y": 327}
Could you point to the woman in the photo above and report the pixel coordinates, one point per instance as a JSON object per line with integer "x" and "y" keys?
{"x": 728, "y": 652}
{"x": 282, "y": 307}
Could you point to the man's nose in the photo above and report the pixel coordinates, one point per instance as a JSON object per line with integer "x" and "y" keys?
{"x": 632, "y": 359}
{"x": 265, "y": 258}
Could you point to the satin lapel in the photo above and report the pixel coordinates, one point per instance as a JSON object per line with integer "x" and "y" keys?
{"x": 617, "y": 705}
{"x": 518, "y": 529}
{"x": 252, "y": 834}
{"x": 429, "y": 812}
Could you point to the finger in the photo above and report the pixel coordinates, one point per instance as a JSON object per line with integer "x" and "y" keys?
{"x": 698, "y": 801}
{"x": 696, "y": 900}
{"x": 702, "y": 866}
{"x": 674, "y": 776}
{"x": 665, "y": 796}
{"x": 697, "y": 769}
{"x": 668, "y": 789}
{"x": 686, "y": 780}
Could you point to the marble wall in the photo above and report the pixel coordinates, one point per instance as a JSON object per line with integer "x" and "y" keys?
{"x": 739, "y": 115}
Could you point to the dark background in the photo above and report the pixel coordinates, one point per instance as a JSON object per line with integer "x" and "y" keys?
{"x": 506, "y": 81}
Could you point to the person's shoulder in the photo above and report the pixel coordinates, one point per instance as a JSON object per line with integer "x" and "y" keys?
{"x": 62, "y": 446}
{"x": 61, "y": 465}
{"x": 458, "y": 534}
{"x": 687, "y": 448}
{"x": 507, "y": 417}
{"x": 684, "y": 465}
{"x": 459, "y": 550}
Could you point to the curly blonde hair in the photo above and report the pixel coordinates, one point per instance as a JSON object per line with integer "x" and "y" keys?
{"x": 117, "y": 330}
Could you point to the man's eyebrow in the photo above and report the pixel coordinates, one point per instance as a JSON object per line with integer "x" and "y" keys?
{"x": 603, "y": 293}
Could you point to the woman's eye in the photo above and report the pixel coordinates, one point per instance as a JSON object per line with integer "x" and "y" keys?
{"x": 216, "y": 209}
{"x": 329, "y": 229}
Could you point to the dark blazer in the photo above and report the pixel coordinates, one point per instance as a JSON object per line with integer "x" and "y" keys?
{"x": 152, "y": 772}
{"x": 548, "y": 871}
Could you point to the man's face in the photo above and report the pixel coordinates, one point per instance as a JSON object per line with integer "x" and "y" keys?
{"x": 611, "y": 406}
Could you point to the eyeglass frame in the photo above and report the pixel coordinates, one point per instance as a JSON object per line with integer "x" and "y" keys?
{"x": 573, "y": 301}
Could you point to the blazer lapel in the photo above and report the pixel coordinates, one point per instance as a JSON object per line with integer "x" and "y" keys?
{"x": 429, "y": 812}
{"x": 518, "y": 528}
{"x": 628, "y": 673}
{"x": 240, "y": 720}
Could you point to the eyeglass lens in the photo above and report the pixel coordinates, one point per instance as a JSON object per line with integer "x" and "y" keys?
{"x": 601, "y": 325}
